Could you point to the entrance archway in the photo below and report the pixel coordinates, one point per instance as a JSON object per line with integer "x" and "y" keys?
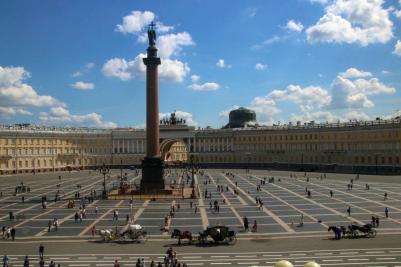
{"x": 174, "y": 151}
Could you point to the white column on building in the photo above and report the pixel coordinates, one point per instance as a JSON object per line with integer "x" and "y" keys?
{"x": 118, "y": 145}
{"x": 137, "y": 146}
{"x": 142, "y": 146}
{"x": 113, "y": 146}
{"x": 123, "y": 145}
{"x": 195, "y": 150}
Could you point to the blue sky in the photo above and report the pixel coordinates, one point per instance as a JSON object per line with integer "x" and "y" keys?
{"x": 78, "y": 63}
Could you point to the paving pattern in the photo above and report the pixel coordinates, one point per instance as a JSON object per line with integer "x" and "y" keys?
{"x": 349, "y": 257}
{"x": 284, "y": 203}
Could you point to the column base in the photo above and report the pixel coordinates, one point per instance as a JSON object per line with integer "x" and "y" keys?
{"x": 152, "y": 175}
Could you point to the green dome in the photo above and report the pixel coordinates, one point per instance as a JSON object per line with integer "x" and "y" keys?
{"x": 241, "y": 117}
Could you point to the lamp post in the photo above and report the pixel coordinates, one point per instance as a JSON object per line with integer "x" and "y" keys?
{"x": 104, "y": 170}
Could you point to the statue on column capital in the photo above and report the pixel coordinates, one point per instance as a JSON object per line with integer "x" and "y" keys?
{"x": 152, "y": 34}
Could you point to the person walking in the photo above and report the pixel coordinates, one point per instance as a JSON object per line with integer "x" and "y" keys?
{"x": 52, "y": 264}
{"x": 246, "y": 224}
{"x": 385, "y": 195}
{"x": 49, "y": 225}
{"x": 386, "y": 212}
{"x": 116, "y": 263}
{"x": 41, "y": 251}
{"x": 26, "y": 261}
{"x": 377, "y": 221}
{"x": 331, "y": 193}
{"x": 12, "y": 231}
{"x": 41, "y": 262}
{"x": 255, "y": 226}
{"x": 5, "y": 261}
{"x": 93, "y": 231}
{"x": 349, "y": 211}
{"x": 196, "y": 208}
{"x": 56, "y": 224}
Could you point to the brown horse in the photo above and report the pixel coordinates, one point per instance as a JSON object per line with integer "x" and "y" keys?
{"x": 182, "y": 235}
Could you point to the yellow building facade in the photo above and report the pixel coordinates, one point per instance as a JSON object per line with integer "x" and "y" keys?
{"x": 370, "y": 147}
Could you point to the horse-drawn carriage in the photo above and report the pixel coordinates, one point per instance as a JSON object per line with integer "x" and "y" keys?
{"x": 219, "y": 234}
{"x": 353, "y": 231}
{"x": 132, "y": 232}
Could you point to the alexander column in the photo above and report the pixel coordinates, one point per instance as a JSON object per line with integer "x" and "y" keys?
{"x": 152, "y": 165}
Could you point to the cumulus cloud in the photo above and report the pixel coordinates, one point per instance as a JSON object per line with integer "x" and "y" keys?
{"x": 308, "y": 96}
{"x": 60, "y": 116}
{"x": 353, "y": 21}
{"x": 355, "y": 73}
{"x": 172, "y": 43}
{"x": 187, "y": 116}
{"x": 292, "y": 25}
{"x": 9, "y": 112}
{"x": 397, "y": 48}
{"x": 221, "y": 64}
{"x": 170, "y": 70}
{"x": 260, "y": 66}
{"x": 16, "y": 94}
{"x": 135, "y": 22}
{"x": 208, "y": 86}
{"x": 168, "y": 44}
{"x": 195, "y": 78}
{"x": 83, "y": 86}
{"x": 348, "y": 95}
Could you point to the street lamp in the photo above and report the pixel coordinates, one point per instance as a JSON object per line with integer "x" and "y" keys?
{"x": 104, "y": 170}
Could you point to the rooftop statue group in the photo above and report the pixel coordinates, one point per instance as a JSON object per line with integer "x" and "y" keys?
{"x": 173, "y": 120}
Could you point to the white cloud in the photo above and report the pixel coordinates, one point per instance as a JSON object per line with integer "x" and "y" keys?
{"x": 9, "y": 112}
{"x": 160, "y": 27}
{"x": 173, "y": 70}
{"x": 308, "y": 96}
{"x": 354, "y": 93}
{"x": 322, "y": 2}
{"x": 169, "y": 70}
{"x": 356, "y": 115}
{"x": 90, "y": 65}
{"x": 260, "y": 66}
{"x": 60, "y": 116}
{"x": 294, "y": 26}
{"x": 317, "y": 116}
{"x": 221, "y": 64}
{"x": 83, "y": 86}
{"x": 355, "y": 73}
{"x": 353, "y": 21}
{"x": 349, "y": 92}
{"x": 168, "y": 44}
{"x": 187, "y": 116}
{"x": 171, "y": 44}
{"x": 84, "y": 70}
{"x": 15, "y": 93}
{"x": 195, "y": 78}
{"x": 397, "y": 48}
{"x": 135, "y": 22}
{"x": 208, "y": 86}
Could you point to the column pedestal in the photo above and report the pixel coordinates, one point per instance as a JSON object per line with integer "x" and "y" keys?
{"x": 152, "y": 175}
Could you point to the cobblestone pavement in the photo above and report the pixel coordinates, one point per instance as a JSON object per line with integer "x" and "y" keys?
{"x": 285, "y": 201}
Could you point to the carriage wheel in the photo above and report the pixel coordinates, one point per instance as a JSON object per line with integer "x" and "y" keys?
{"x": 372, "y": 233}
{"x": 231, "y": 240}
{"x": 143, "y": 237}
